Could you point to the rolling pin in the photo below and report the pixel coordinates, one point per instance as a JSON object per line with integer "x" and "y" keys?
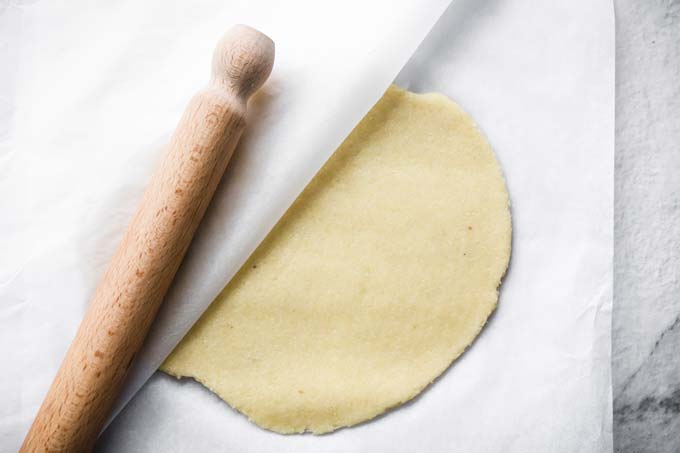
{"x": 137, "y": 278}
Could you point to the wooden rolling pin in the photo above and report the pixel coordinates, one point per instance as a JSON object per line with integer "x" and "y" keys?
{"x": 134, "y": 285}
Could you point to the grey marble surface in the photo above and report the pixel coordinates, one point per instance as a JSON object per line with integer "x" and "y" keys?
{"x": 646, "y": 316}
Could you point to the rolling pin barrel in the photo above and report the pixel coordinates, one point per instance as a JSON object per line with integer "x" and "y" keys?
{"x": 139, "y": 274}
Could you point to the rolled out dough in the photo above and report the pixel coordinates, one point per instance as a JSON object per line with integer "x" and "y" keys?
{"x": 379, "y": 276}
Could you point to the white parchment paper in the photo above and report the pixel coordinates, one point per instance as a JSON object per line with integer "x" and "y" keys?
{"x": 93, "y": 91}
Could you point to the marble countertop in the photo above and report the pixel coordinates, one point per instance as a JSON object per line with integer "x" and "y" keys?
{"x": 646, "y": 315}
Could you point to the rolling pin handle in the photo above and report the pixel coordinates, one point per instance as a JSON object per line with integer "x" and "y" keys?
{"x": 242, "y": 61}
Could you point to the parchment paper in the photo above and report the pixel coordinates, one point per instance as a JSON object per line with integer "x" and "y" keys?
{"x": 95, "y": 91}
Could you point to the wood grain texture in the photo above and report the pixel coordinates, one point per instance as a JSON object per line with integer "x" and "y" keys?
{"x": 134, "y": 285}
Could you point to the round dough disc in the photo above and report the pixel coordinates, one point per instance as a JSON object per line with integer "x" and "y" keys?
{"x": 377, "y": 278}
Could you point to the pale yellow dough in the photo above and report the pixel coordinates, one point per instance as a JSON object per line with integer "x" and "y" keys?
{"x": 379, "y": 276}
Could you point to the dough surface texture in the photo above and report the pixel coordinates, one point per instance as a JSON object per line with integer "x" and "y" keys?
{"x": 378, "y": 277}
